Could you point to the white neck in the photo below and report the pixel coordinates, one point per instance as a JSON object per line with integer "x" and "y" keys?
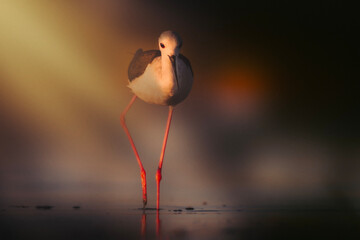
{"x": 168, "y": 78}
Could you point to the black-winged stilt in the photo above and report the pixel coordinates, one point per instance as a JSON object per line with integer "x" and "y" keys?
{"x": 160, "y": 77}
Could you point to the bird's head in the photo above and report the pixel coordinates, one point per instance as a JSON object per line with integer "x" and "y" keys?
{"x": 170, "y": 43}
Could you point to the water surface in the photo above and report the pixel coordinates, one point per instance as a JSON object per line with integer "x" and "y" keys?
{"x": 185, "y": 222}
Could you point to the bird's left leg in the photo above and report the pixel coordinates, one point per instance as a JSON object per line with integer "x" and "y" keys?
{"x": 142, "y": 170}
{"x": 158, "y": 173}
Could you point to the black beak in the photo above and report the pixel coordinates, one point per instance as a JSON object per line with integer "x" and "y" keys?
{"x": 173, "y": 61}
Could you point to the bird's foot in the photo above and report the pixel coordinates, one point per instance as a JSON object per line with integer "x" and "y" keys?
{"x": 144, "y": 203}
{"x": 143, "y": 184}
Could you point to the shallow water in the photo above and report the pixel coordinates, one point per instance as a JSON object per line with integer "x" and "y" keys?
{"x": 203, "y": 222}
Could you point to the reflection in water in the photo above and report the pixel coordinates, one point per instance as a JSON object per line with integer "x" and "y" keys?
{"x": 179, "y": 223}
{"x": 143, "y": 225}
{"x": 158, "y": 224}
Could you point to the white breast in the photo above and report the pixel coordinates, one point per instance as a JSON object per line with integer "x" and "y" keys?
{"x": 150, "y": 87}
{"x": 158, "y": 84}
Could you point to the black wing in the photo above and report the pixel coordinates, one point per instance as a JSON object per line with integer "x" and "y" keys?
{"x": 187, "y": 62}
{"x": 140, "y": 61}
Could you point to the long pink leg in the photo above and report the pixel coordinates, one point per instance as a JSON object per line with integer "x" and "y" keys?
{"x": 158, "y": 173}
{"x": 142, "y": 170}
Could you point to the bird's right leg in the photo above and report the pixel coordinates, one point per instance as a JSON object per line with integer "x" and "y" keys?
{"x": 142, "y": 170}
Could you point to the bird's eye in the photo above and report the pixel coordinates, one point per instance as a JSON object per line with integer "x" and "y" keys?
{"x": 162, "y": 45}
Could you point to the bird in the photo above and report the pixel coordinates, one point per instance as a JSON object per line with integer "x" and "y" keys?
{"x": 162, "y": 77}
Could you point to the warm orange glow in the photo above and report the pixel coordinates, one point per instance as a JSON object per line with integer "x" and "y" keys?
{"x": 245, "y": 82}
{"x": 240, "y": 92}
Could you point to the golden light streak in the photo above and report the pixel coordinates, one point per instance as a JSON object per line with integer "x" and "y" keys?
{"x": 45, "y": 63}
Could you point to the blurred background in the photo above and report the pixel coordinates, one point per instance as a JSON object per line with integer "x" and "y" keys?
{"x": 272, "y": 118}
